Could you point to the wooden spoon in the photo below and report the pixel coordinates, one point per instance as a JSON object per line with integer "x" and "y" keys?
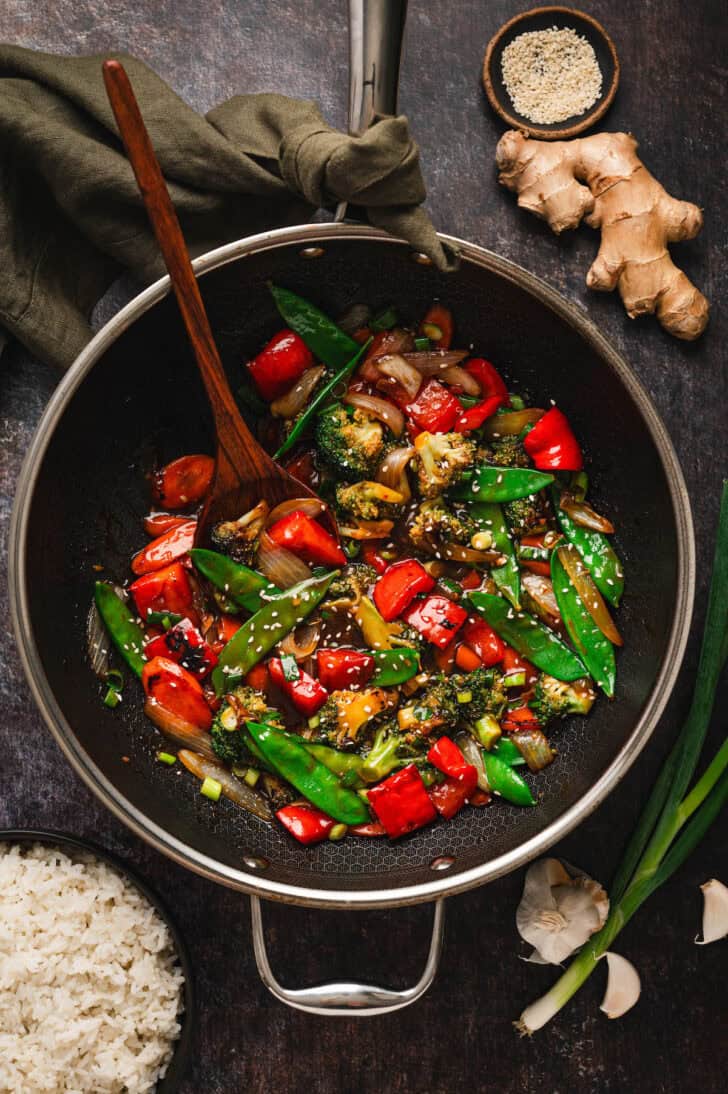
{"x": 244, "y": 472}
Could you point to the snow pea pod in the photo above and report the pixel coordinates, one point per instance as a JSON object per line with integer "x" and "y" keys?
{"x": 319, "y": 400}
{"x": 346, "y": 765}
{"x": 266, "y": 628}
{"x": 503, "y": 780}
{"x": 505, "y": 750}
{"x": 597, "y": 652}
{"x": 125, "y": 632}
{"x": 322, "y": 336}
{"x": 528, "y": 636}
{"x": 311, "y": 778}
{"x": 240, "y": 584}
{"x": 489, "y": 516}
{"x": 394, "y": 666}
{"x": 486, "y": 483}
{"x": 596, "y": 550}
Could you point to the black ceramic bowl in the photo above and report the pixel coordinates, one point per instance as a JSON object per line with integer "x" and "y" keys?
{"x": 73, "y": 844}
{"x": 543, "y": 19}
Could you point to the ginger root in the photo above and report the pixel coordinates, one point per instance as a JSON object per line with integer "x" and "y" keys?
{"x": 636, "y": 215}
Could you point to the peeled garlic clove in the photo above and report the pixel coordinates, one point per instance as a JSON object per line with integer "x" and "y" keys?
{"x": 623, "y": 986}
{"x": 715, "y": 911}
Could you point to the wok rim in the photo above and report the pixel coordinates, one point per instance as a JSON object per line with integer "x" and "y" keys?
{"x": 256, "y": 883}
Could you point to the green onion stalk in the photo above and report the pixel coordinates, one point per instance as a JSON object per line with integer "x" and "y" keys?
{"x": 674, "y": 820}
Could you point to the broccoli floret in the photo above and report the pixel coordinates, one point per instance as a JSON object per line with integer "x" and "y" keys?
{"x": 441, "y": 460}
{"x": 229, "y": 739}
{"x": 345, "y": 714}
{"x": 392, "y": 749}
{"x": 481, "y": 700}
{"x": 354, "y": 445}
{"x": 239, "y": 538}
{"x": 437, "y": 708}
{"x": 554, "y": 698}
{"x": 434, "y": 524}
{"x": 506, "y": 452}
{"x": 527, "y": 516}
{"x": 367, "y": 500}
{"x": 351, "y": 584}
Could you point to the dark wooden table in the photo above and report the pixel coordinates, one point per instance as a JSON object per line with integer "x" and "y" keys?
{"x": 459, "y": 1037}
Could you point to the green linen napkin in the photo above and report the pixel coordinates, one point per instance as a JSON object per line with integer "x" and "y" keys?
{"x": 70, "y": 215}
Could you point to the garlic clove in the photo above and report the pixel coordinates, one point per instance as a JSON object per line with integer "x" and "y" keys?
{"x": 715, "y": 912}
{"x": 558, "y": 912}
{"x": 623, "y": 986}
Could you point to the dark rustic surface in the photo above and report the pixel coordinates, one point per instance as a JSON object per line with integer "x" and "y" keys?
{"x": 459, "y": 1036}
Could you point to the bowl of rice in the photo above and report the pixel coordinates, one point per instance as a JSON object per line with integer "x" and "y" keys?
{"x": 551, "y": 72}
{"x": 96, "y": 990}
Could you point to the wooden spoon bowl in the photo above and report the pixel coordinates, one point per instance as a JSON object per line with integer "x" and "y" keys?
{"x": 244, "y": 472}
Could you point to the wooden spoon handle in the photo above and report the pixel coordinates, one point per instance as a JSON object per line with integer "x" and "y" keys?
{"x": 228, "y": 421}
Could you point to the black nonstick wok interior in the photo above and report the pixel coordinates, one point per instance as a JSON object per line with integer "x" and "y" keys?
{"x": 142, "y": 404}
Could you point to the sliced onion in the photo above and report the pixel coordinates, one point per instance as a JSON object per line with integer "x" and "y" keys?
{"x": 509, "y": 425}
{"x": 382, "y": 409}
{"x": 280, "y": 566}
{"x": 237, "y": 791}
{"x": 312, "y": 507}
{"x": 395, "y": 366}
{"x": 471, "y": 752}
{"x": 392, "y": 471}
{"x": 177, "y": 729}
{"x": 583, "y": 514}
{"x": 457, "y": 552}
{"x": 458, "y": 377}
{"x": 431, "y": 362}
{"x": 541, "y": 591}
{"x": 534, "y": 747}
{"x": 592, "y": 599}
{"x": 368, "y": 529}
{"x": 301, "y": 642}
{"x": 294, "y": 400}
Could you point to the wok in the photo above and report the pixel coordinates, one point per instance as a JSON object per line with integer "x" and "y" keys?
{"x": 133, "y": 399}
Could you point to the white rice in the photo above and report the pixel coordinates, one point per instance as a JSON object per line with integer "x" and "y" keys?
{"x": 90, "y": 993}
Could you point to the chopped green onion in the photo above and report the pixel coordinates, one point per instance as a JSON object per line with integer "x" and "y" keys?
{"x": 211, "y": 788}
{"x": 338, "y": 832}
{"x": 291, "y": 671}
{"x": 385, "y": 320}
{"x": 464, "y": 696}
{"x": 313, "y": 721}
{"x": 164, "y": 619}
{"x": 422, "y": 345}
{"x": 351, "y": 547}
{"x": 515, "y": 679}
{"x": 432, "y": 331}
{"x": 251, "y": 776}
{"x": 112, "y": 697}
{"x": 388, "y": 553}
{"x": 488, "y": 730}
{"x": 166, "y": 758}
{"x": 468, "y": 401}
{"x": 115, "y": 679}
{"x": 517, "y": 403}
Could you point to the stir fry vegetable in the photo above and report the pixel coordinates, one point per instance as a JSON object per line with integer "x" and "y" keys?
{"x": 367, "y": 685}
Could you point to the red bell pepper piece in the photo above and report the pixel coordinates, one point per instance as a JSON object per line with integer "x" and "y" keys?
{"x": 398, "y": 587}
{"x": 156, "y": 524}
{"x": 306, "y": 694}
{"x": 401, "y": 802}
{"x": 166, "y": 548}
{"x": 513, "y": 662}
{"x": 472, "y": 580}
{"x": 184, "y": 644}
{"x": 536, "y": 567}
{"x": 448, "y": 758}
{"x": 490, "y": 380}
{"x": 521, "y": 718}
{"x": 258, "y": 677}
{"x": 466, "y": 660}
{"x": 435, "y": 409}
{"x": 441, "y": 317}
{"x": 225, "y": 627}
{"x": 370, "y": 555}
{"x": 177, "y": 690}
{"x": 305, "y": 823}
{"x": 552, "y": 445}
{"x": 341, "y": 669}
{"x": 437, "y": 618}
{"x": 308, "y": 539}
{"x": 483, "y": 640}
{"x": 449, "y": 797}
{"x": 476, "y": 415}
{"x": 445, "y": 658}
{"x": 184, "y": 481}
{"x": 279, "y": 364}
{"x": 166, "y": 590}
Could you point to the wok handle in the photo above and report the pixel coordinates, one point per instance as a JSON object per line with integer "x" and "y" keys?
{"x": 347, "y": 998}
{"x": 376, "y": 33}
